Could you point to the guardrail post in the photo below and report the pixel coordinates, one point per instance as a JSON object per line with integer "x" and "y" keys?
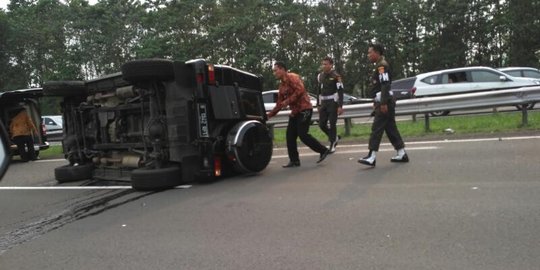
{"x": 524, "y": 115}
{"x": 414, "y": 118}
{"x": 348, "y": 125}
{"x": 426, "y": 121}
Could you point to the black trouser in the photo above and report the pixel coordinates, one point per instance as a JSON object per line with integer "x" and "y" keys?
{"x": 328, "y": 113}
{"x": 385, "y": 122}
{"x": 25, "y": 145}
{"x": 299, "y": 127}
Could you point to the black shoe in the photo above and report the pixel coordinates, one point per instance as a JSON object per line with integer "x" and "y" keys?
{"x": 365, "y": 161}
{"x": 292, "y": 164}
{"x": 323, "y": 155}
{"x": 404, "y": 158}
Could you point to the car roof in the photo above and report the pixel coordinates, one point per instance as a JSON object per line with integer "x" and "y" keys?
{"x": 438, "y": 72}
{"x": 517, "y": 68}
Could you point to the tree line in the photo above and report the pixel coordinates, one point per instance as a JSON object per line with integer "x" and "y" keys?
{"x": 43, "y": 40}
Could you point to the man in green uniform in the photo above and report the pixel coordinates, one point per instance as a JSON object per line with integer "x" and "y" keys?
{"x": 330, "y": 100}
{"x": 384, "y": 109}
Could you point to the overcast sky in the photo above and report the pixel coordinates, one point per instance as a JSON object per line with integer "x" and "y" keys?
{"x": 3, "y": 3}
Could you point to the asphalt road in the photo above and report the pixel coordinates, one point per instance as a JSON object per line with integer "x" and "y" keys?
{"x": 470, "y": 204}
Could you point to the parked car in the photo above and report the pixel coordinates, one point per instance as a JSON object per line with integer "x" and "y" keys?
{"x": 403, "y": 88}
{"x": 460, "y": 81}
{"x": 53, "y": 125}
{"x": 526, "y": 72}
{"x": 270, "y": 97}
{"x": 11, "y": 101}
{"x": 161, "y": 123}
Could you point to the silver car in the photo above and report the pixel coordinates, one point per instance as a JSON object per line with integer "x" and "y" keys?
{"x": 53, "y": 125}
{"x": 466, "y": 80}
{"x": 527, "y": 72}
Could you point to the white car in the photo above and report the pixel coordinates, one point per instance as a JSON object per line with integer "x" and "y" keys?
{"x": 466, "y": 80}
{"x": 53, "y": 124}
{"x": 270, "y": 97}
{"x": 527, "y": 72}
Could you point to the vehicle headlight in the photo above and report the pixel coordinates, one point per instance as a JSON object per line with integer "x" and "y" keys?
{"x": 537, "y": 82}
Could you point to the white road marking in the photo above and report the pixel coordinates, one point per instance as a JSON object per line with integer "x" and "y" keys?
{"x": 359, "y": 151}
{"x": 362, "y": 148}
{"x": 434, "y": 142}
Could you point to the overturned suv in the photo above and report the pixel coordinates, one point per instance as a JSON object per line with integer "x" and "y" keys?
{"x": 161, "y": 123}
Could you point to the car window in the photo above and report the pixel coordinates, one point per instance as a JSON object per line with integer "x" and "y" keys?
{"x": 49, "y": 121}
{"x": 531, "y": 74}
{"x": 407, "y": 83}
{"x": 268, "y": 98}
{"x": 455, "y": 77}
{"x": 485, "y": 76}
{"x": 515, "y": 73}
{"x": 431, "y": 79}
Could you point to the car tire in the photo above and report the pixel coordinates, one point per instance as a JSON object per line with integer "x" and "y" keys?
{"x": 70, "y": 173}
{"x": 527, "y": 106}
{"x": 156, "y": 179}
{"x": 251, "y": 144}
{"x": 64, "y": 88}
{"x": 148, "y": 69}
{"x": 440, "y": 113}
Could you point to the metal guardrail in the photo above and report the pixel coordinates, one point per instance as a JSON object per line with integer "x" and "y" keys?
{"x": 470, "y": 101}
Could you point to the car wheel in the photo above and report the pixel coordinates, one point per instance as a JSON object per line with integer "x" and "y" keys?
{"x": 156, "y": 179}
{"x": 528, "y": 106}
{"x": 64, "y": 88}
{"x": 439, "y": 113}
{"x": 70, "y": 173}
{"x": 250, "y": 143}
{"x": 148, "y": 69}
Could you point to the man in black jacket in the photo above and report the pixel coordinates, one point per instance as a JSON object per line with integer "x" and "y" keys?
{"x": 330, "y": 101}
{"x": 385, "y": 109}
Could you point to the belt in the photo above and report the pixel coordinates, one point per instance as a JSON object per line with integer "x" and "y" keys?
{"x": 333, "y": 97}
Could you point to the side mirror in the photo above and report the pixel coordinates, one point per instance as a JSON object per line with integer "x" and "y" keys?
{"x": 4, "y": 150}
{"x": 503, "y": 78}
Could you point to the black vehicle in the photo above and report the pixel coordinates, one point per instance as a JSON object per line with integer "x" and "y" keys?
{"x": 11, "y": 102}
{"x": 161, "y": 123}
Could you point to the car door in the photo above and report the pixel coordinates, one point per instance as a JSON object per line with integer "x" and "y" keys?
{"x": 488, "y": 80}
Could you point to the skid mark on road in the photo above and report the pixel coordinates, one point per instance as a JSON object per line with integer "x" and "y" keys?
{"x": 90, "y": 206}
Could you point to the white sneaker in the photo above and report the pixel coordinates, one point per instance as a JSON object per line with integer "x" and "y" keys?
{"x": 333, "y": 145}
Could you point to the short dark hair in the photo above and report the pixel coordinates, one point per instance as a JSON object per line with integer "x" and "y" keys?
{"x": 280, "y": 64}
{"x": 329, "y": 59}
{"x": 377, "y": 47}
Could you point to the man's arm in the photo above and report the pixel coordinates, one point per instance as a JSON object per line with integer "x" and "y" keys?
{"x": 385, "y": 81}
{"x": 339, "y": 86}
{"x": 31, "y": 124}
{"x": 278, "y": 106}
{"x": 319, "y": 88}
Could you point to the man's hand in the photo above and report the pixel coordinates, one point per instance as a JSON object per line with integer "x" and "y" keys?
{"x": 339, "y": 111}
{"x": 384, "y": 108}
{"x": 268, "y": 116}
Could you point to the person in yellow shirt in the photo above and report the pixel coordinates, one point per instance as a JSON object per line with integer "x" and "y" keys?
{"x": 22, "y": 128}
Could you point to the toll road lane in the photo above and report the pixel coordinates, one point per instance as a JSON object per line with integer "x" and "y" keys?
{"x": 467, "y": 204}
